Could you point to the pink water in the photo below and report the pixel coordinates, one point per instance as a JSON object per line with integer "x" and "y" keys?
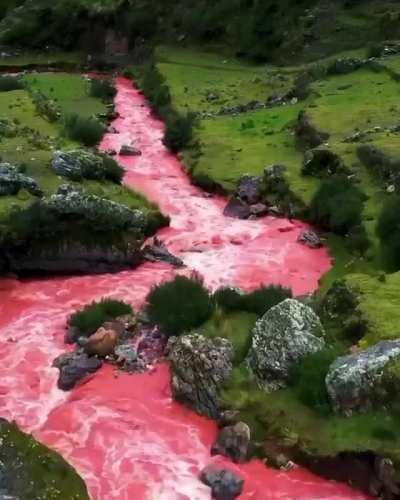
{"x": 124, "y": 434}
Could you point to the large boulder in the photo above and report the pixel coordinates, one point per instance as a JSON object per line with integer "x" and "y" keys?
{"x": 237, "y": 209}
{"x": 356, "y": 383}
{"x": 224, "y": 484}
{"x": 287, "y": 333}
{"x": 12, "y": 181}
{"x": 233, "y": 442}
{"x": 79, "y": 164}
{"x": 249, "y": 189}
{"x": 199, "y": 368}
{"x": 74, "y": 367}
{"x": 158, "y": 252}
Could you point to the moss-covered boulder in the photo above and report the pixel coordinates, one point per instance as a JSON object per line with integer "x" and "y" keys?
{"x": 12, "y": 181}
{"x": 30, "y": 471}
{"x": 281, "y": 338}
{"x": 355, "y": 383}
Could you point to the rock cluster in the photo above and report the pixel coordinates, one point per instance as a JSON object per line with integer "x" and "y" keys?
{"x": 280, "y": 339}
{"x": 12, "y": 181}
{"x": 224, "y": 484}
{"x": 247, "y": 201}
{"x": 199, "y": 368}
{"x": 355, "y": 383}
{"x": 79, "y": 164}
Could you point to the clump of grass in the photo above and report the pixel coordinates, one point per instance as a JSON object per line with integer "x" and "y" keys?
{"x": 8, "y": 83}
{"x": 102, "y": 89}
{"x": 88, "y": 131}
{"x": 179, "y": 305}
{"x": 257, "y": 302}
{"x": 94, "y": 315}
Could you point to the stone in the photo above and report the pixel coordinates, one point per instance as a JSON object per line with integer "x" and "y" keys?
{"x": 249, "y": 189}
{"x": 233, "y": 442}
{"x": 199, "y": 368}
{"x": 307, "y": 135}
{"x": 355, "y": 383}
{"x": 237, "y": 209}
{"x": 103, "y": 342}
{"x": 345, "y": 65}
{"x": 129, "y": 151}
{"x": 12, "y": 181}
{"x": 158, "y": 252}
{"x": 74, "y": 367}
{"x": 310, "y": 239}
{"x": 286, "y": 334}
{"x": 126, "y": 354}
{"x": 224, "y": 484}
{"x": 79, "y": 164}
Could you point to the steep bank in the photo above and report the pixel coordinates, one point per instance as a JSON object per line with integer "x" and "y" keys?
{"x": 125, "y": 435}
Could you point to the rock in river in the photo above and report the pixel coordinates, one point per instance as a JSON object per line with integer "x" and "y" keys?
{"x": 199, "y": 368}
{"x": 356, "y": 383}
{"x": 280, "y": 339}
{"x": 74, "y": 367}
{"x": 224, "y": 484}
{"x": 233, "y": 442}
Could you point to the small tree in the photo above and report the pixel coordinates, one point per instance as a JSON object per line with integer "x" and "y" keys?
{"x": 388, "y": 230}
{"x": 337, "y": 206}
{"x": 179, "y": 131}
{"x": 179, "y": 305}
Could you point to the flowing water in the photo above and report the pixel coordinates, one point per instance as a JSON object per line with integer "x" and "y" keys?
{"x": 123, "y": 433}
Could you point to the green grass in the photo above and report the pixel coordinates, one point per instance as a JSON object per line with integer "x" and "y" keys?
{"x": 280, "y": 416}
{"x": 379, "y": 305}
{"x": 234, "y": 326}
{"x": 30, "y": 59}
{"x": 37, "y": 472}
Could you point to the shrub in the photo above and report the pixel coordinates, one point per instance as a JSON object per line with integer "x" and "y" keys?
{"x": 358, "y": 241}
{"x": 47, "y": 108}
{"x": 179, "y": 305}
{"x": 155, "y": 89}
{"x": 112, "y": 170}
{"x": 337, "y": 205}
{"x": 94, "y": 315}
{"x": 308, "y": 379}
{"x": 8, "y": 83}
{"x": 179, "y": 131}
{"x": 258, "y": 302}
{"x": 88, "y": 131}
{"x": 102, "y": 89}
{"x": 388, "y": 230}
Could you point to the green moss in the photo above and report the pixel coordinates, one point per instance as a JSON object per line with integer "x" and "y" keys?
{"x": 35, "y": 471}
{"x": 234, "y": 326}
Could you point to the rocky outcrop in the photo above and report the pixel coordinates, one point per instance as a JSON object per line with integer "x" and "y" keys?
{"x": 310, "y": 239}
{"x": 158, "y": 252}
{"x": 80, "y": 164}
{"x": 307, "y": 135}
{"x": 199, "y": 368}
{"x": 74, "y": 367}
{"x": 12, "y": 181}
{"x": 224, "y": 484}
{"x": 280, "y": 339}
{"x": 249, "y": 189}
{"x": 238, "y": 209}
{"x": 233, "y": 442}
{"x": 355, "y": 383}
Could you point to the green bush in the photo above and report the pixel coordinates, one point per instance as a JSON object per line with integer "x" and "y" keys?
{"x": 358, "y": 241}
{"x": 388, "y": 230}
{"x": 155, "y": 89}
{"x": 112, "y": 170}
{"x": 308, "y": 379}
{"x": 88, "y": 131}
{"x": 8, "y": 83}
{"x": 102, "y": 89}
{"x": 89, "y": 319}
{"x": 178, "y": 131}
{"x": 337, "y": 206}
{"x": 179, "y": 305}
{"x": 258, "y": 302}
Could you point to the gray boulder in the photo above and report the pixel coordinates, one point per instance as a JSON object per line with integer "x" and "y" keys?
{"x": 129, "y": 151}
{"x": 280, "y": 339}
{"x": 237, "y": 209}
{"x": 199, "y": 368}
{"x": 355, "y": 383}
{"x": 78, "y": 165}
{"x": 74, "y": 367}
{"x": 249, "y": 189}
{"x": 12, "y": 181}
{"x": 310, "y": 239}
{"x": 233, "y": 442}
{"x": 224, "y": 484}
{"x": 158, "y": 252}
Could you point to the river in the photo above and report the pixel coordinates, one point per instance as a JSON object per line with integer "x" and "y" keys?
{"x": 123, "y": 433}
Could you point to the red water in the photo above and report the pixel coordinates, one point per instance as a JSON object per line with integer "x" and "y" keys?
{"x": 124, "y": 434}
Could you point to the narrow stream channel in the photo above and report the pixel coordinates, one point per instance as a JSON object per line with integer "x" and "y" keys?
{"x": 124, "y": 434}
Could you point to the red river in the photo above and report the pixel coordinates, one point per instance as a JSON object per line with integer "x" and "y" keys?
{"x": 124, "y": 434}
